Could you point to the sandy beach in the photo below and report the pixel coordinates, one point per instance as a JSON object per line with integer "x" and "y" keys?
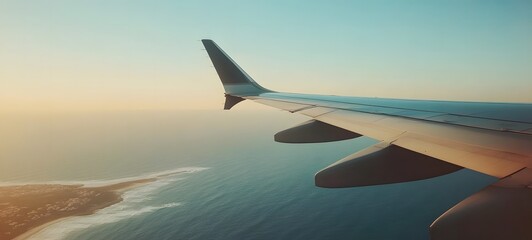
{"x": 37, "y": 229}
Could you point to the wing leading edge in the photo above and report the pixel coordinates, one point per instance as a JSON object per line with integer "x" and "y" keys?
{"x": 418, "y": 140}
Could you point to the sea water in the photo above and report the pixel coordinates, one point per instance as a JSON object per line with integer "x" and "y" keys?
{"x": 234, "y": 181}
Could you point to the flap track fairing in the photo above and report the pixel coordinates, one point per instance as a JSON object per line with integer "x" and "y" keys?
{"x": 381, "y": 164}
{"x": 314, "y": 131}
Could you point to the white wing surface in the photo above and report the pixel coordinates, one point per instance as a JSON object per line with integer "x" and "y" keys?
{"x": 417, "y": 140}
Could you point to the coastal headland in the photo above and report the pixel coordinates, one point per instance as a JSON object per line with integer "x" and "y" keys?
{"x": 26, "y": 208}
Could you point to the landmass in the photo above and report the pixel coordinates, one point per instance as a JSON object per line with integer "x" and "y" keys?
{"x": 27, "y": 207}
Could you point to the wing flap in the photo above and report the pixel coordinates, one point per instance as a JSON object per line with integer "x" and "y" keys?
{"x": 315, "y": 111}
{"x": 287, "y": 106}
{"x": 491, "y": 124}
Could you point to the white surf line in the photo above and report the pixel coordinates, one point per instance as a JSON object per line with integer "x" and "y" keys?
{"x": 131, "y": 205}
{"x": 105, "y": 182}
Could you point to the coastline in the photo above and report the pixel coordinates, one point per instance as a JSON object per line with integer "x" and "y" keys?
{"x": 37, "y": 229}
{"x": 103, "y": 197}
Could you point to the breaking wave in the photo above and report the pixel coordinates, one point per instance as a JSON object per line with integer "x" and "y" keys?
{"x": 104, "y": 182}
{"x": 131, "y": 205}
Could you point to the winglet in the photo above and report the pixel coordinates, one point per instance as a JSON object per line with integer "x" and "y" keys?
{"x": 236, "y": 81}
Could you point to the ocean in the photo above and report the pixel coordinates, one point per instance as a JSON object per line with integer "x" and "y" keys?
{"x": 236, "y": 182}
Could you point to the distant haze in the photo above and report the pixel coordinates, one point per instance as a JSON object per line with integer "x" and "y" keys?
{"x": 101, "y": 55}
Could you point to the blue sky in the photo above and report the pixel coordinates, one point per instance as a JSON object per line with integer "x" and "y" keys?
{"x": 78, "y": 55}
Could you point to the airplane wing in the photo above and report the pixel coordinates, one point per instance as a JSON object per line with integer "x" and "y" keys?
{"x": 417, "y": 140}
